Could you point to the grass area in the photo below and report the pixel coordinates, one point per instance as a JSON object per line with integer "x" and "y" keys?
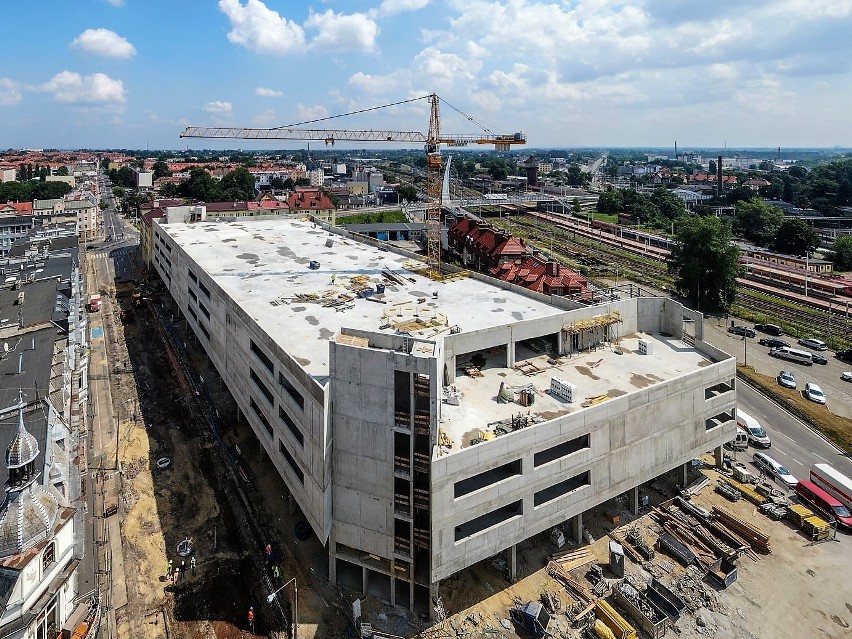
{"x": 836, "y": 428}
{"x": 372, "y": 218}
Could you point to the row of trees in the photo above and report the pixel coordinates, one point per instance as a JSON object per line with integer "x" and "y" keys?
{"x": 657, "y": 210}
{"x": 29, "y": 191}
{"x": 765, "y": 225}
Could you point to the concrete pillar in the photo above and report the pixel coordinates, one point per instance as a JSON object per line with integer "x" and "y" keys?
{"x": 510, "y": 355}
{"x": 332, "y": 565}
{"x": 720, "y": 457}
{"x": 634, "y": 500}
{"x": 684, "y": 480}
{"x": 577, "y": 528}
{"x": 363, "y": 581}
{"x": 560, "y": 343}
{"x": 433, "y": 597}
{"x": 450, "y": 377}
{"x": 512, "y": 562}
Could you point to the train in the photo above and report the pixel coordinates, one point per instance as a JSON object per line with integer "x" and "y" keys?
{"x": 629, "y": 233}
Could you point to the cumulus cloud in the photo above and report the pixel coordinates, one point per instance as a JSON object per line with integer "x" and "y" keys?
{"x": 340, "y": 32}
{"x": 103, "y": 42}
{"x": 72, "y": 87}
{"x": 260, "y": 29}
{"x": 219, "y": 107}
{"x": 116, "y": 3}
{"x": 391, "y": 7}
{"x": 311, "y": 112}
{"x": 9, "y": 92}
{"x": 263, "y": 30}
{"x": 265, "y": 119}
{"x": 263, "y": 92}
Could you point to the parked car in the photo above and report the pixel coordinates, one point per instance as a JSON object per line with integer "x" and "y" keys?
{"x": 771, "y": 329}
{"x": 814, "y": 393}
{"x": 819, "y": 359}
{"x": 787, "y": 379}
{"x": 816, "y": 344}
{"x": 846, "y": 376}
{"x": 742, "y": 330}
{"x": 845, "y": 356}
{"x": 774, "y": 469}
{"x": 773, "y": 342}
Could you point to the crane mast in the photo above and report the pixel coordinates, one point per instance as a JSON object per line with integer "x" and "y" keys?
{"x": 431, "y": 140}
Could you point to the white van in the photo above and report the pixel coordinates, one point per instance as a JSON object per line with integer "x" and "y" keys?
{"x": 792, "y": 354}
{"x": 754, "y": 431}
{"x": 740, "y": 442}
{"x": 833, "y": 482}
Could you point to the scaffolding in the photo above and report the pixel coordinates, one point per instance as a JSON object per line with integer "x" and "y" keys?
{"x": 598, "y": 321}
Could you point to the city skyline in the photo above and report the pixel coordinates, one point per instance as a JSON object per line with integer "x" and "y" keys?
{"x": 128, "y": 74}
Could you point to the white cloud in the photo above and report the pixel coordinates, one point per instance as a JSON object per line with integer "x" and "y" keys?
{"x": 311, "y": 112}
{"x": 260, "y": 29}
{"x": 380, "y": 84}
{"x": 340, "y": 32}
{"x": 265, "y": 119}
{"x": 263, "y": 92}
{"x": 218, "y": 106}
{"x": 445, "y": 68}
{"x": 103, "y": 42}
{"x": 116, "y": 3}
{"x": 71, "y": 87}
{"x": 391, "y": 7}
{"x": 9, "y": 93}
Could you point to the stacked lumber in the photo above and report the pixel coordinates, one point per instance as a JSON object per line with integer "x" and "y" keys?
{"x": 747, "y": 491}
{"x": 575, "y": 588}
{"x": 570, "y": 559}
{"x": 755, "y": 537}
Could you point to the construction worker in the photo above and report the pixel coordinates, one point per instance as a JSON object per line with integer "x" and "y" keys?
{"x": 251, "y": 619}
{"x": 192, "y": 564}
{"x": 276, "y": 572}
{"x": 183, "y": 567}
{"x": 176, "y": 575}
{"x": 268, "y": 554}
{"x": 170, "y": 569}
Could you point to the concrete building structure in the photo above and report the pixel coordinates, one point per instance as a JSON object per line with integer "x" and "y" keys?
{"x": 417, "y": 435}
{"x": 142, "y": 179}
{"x": 7, "y": 174}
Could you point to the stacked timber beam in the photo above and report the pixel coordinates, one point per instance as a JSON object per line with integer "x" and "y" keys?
{"x": 753, "y": 535}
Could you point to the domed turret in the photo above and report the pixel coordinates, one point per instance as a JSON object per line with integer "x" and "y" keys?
{"x": 30, "y": 510}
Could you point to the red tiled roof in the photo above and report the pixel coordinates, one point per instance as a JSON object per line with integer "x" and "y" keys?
{"x": 23, "y": 208}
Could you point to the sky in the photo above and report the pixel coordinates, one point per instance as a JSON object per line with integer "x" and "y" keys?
{"x": 570, "y": 73}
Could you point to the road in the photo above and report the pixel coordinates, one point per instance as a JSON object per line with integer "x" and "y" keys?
{"x": 793, "y": 444}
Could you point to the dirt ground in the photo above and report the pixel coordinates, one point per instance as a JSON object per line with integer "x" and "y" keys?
{"x": 799, "y": 590}
{"x": 189, "y": 498}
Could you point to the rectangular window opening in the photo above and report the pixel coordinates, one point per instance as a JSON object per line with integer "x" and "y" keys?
{"x": 193, "y": 276}
{"x": 261, "y": 416}
{"x": 291, "y": 390}
{"x": 561, "y": 450}
{"x": 203, "y": 310}
{"x": 263, "y": 388}
{"x": 291, "y": 425}
{"x": 204, "y": 289}
{"x": 489, "y": 520}
{"x": 560, "y": 489}
{"x": 487, "y": 478}
{"x": 300, "y": 475}
{"x": 263, "y": 357}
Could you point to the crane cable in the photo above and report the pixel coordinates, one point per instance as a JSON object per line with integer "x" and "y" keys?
{"x": 341, "y": 115}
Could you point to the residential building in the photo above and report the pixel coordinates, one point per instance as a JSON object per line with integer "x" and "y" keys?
{"x": 16, "y": 222}
{"x": 146, "y": 234}
{"x": 7, "y": 174}
{"x": 142, "y": 179}
{"x": 45, "y": 368}
{"x": 415, "y": 435}
{"x": 313, "y": 202}
{"x": 88, "y": 213}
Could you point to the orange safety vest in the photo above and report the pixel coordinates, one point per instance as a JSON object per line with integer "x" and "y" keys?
{"x": 251, "y": 615}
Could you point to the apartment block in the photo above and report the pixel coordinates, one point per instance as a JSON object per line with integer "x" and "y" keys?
{"x": 413, "y": 420}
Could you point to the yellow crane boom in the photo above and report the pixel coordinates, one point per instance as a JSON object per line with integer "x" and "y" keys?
{"x": 432, "y": 140}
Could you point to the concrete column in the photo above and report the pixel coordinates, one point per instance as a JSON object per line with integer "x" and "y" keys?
{"x": 433, "y": 596}
{"x": 512, "y": 562}
{"x": 720, "y": 457}
{"x": 363, "y": 581}
{"x": 510, "y": 355}
{"x": 332, "y": 565}
{"x": 577, "y": 528}
{"x": 684, "y": 480}
{"x": 634, "y": 500}
{"x": 560, "y": 343}
{"x": 451, "y": 370}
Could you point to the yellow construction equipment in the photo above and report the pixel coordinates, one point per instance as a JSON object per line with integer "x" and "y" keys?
{"x": 619, "y": 626}
{"x": 432, "y": 141}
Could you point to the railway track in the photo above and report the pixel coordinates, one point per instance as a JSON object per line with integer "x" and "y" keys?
{"x": 799, "y": 316}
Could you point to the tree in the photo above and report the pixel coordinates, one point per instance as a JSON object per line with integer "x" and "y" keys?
{"x": 705, "y": 263}
{"x": 843, "y": 253}
{"x": 669, "y": 205}
{"x": 276, "y": 183}
{"x": 407, "y": 193}
{"x": 239, "y": 183}
{"x": 576, "y": 207}
{"x": 62, "y": 170}
{"x": 118, "y": 191}
{"x": 796, "y": 237}
{"x": 609, "y": 203}
{"x": 757, "y": 221}
{"x": 50, "y": 190}
{"x": 16, "y": 192}
{"x": 161, "y": 169}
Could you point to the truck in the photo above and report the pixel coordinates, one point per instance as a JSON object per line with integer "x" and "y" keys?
{"x": 94, "y": 303}
{"x": 833, "y": 482}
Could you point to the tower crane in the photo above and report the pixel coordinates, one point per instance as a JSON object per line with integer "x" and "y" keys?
{"x": 432, "y": 141}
